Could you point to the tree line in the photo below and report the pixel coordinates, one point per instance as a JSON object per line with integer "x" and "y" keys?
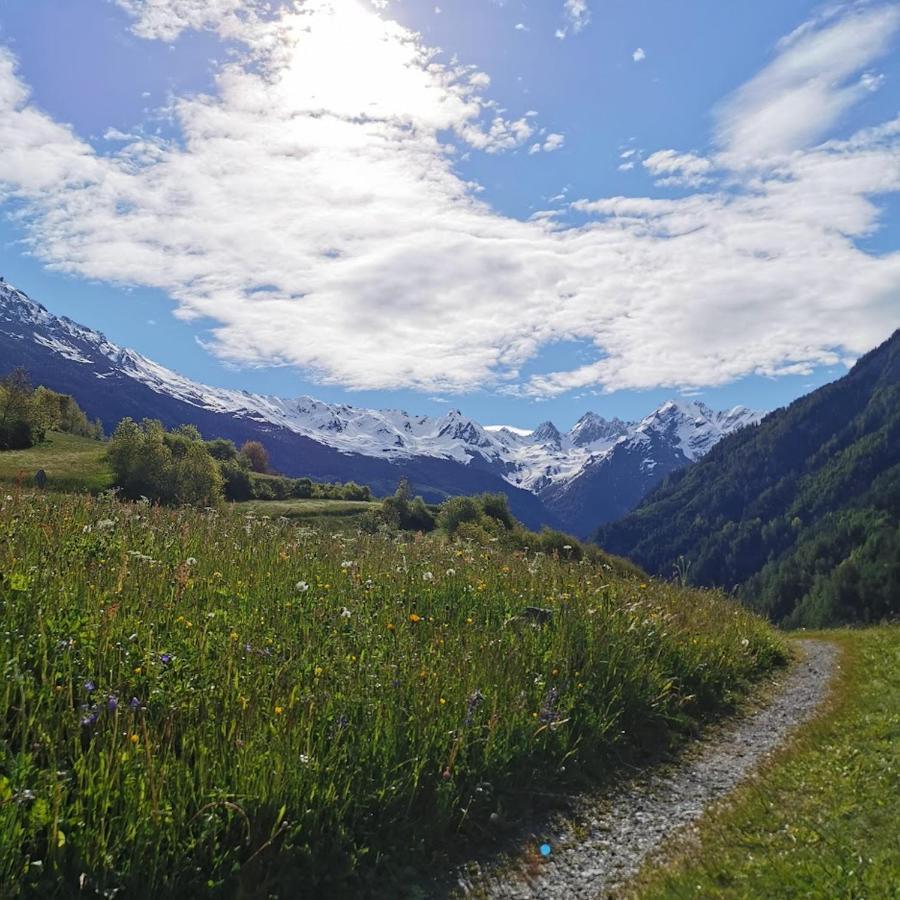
{"x": 28, "y": 413}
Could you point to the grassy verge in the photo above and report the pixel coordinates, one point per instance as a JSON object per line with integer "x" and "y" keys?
{"x": 72, "y": 463}
{"x": 821, "y": 819}
{"x": 197, "y": 704}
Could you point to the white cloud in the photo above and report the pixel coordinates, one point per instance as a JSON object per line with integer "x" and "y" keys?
{"x": 578, "y": 14}
{"x": 552, "y": 142}
{"x": 816, "y": 76}
{"x": 683, "y": 169}
{"x": 520, "y": 26}
{"x": 166, "y": 19}
{"x": 639, "y": 55}
{"x": 311, "y": 208}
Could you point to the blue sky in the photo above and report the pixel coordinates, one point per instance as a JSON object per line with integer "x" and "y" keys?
{"x": 524, "y": 210}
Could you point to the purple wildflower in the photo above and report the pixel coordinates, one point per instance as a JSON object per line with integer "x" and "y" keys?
{"x": 112, "y": 703}
{"x": 89, "y": 686}
{"x": 165, "y": 658}
{"x": 134, "y": 703}
{"x": 90, "y": 718}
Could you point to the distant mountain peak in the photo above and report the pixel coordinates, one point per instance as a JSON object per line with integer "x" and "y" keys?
{"x": 547, "y": 433}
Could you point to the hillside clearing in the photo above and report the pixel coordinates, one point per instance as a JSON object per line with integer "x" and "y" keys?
{"x": 72, "y": 463}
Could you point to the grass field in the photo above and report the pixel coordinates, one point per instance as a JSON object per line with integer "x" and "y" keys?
{"x": 205, "y": 704}
{"x": 308, "y": 509}
{"x": 72, "y": 463}
{"x": 822, "y": 819}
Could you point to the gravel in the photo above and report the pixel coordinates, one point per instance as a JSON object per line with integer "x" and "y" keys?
{"x": 606, "y": 839}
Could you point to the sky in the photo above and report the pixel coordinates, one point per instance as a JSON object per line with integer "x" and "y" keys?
{"x": 523, "y": 210}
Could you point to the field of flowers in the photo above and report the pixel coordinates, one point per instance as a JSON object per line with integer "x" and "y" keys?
{"x": 200, "y": 703}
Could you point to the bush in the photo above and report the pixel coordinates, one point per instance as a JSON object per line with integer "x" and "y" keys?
{"x": 457, "y": 510}
{"x": 167, "y": 467}
{"x": 256, "y": 455}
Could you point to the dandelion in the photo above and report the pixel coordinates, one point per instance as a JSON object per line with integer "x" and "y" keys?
{"x": 391, "y": 626}
{"x": 133, "y": 739}
{"x": 414, "y": 618}
{"x": 427, "y": 576}
{"x": 442, "y": 701}
{"x": 279, "y": 710}
{"x": 318, "y": 671}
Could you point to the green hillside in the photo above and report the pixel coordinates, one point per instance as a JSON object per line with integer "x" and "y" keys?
{"x": 70, "y": 462}
{"x": 198, "y": 704}
{"x": 800, "y": 514}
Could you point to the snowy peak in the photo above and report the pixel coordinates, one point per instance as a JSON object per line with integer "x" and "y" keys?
{"x": 548, "y": 434}
{"x": 591, "y": 428}
{"x": 692, "y": 427}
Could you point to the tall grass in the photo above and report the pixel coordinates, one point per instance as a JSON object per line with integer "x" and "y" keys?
{"x": 199, "y": 703}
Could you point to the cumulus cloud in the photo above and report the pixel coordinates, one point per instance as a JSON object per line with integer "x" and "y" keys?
{"x": 550, "y": 143}
{"x": 639, "y": 55}
{"x": 311, "y": 208}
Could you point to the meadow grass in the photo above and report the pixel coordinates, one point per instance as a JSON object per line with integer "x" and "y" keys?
{"x": 200, "y": 703}
{"x": 309, "y": 508}
{"x": 821, "y": 820}
{"x": 71, "y": 463}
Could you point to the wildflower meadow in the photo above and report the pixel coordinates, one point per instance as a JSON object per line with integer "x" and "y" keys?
{"x": 206, "y": 703}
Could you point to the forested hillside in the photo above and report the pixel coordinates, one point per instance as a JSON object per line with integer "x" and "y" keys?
{"x": 799, "y": 514}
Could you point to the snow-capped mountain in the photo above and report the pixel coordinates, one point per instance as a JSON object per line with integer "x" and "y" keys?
{"x": 544, "y": 472}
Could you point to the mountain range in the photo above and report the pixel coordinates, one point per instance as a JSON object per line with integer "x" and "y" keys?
{"x": 800, "y": 515}
{"x": 577, "y": 480}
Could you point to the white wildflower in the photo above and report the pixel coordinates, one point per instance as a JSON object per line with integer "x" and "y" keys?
{"x": 190, "y": 561}
{"x": 302, "y": 587}
{"x": 451, "y": 573}
{"x": 345, "y": 613}
{"x": 427, "y": 576}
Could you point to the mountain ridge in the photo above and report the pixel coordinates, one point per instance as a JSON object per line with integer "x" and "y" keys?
{"x": 539, "y": 463}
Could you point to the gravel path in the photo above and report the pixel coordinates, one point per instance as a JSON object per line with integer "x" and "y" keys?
{"x": 616, "y": 833}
